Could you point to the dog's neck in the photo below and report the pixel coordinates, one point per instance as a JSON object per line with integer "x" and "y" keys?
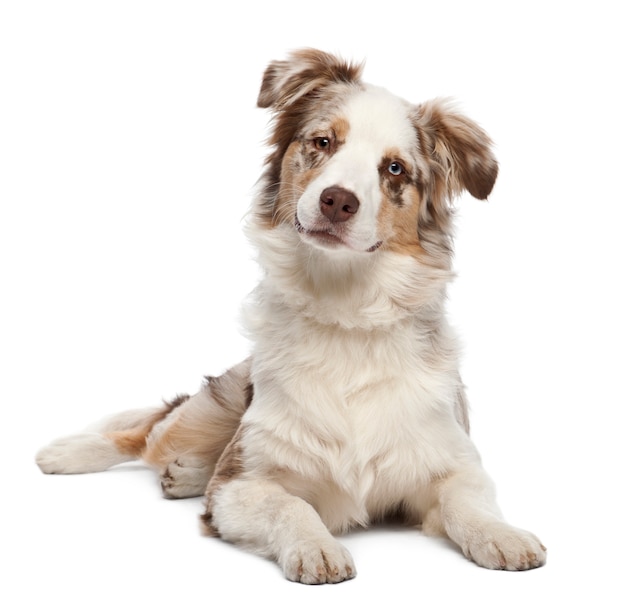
{"x": 342, "y": 288}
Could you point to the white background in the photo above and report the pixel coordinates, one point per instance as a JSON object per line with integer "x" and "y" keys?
{"x": 129, "y": 146}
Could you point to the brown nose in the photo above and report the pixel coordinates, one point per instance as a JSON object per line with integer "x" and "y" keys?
{"x": 338, "y": 204}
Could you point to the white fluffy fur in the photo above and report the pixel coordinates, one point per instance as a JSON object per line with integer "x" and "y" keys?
{"x": 355, "y": 412}
{"x": 357, "y": 421}
{"x": 358, "y": 409}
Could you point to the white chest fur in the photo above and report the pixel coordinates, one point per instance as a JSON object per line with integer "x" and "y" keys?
{"x": 348, "y": 417}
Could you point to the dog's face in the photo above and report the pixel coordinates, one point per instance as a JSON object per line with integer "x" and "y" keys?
{"x": 353, "y": 174}
{"x": 357, "y": 168}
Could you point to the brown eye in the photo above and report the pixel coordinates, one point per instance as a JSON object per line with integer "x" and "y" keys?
{"x": 322, "y": 143}
{"x": 395, "y": 168}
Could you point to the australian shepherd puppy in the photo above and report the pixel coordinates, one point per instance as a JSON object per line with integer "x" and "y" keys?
{"x": 351, "y": 407}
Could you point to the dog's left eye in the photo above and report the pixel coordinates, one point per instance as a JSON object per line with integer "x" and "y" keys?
{"x": 395, "y": 168}
{"x": 322, "y": 143}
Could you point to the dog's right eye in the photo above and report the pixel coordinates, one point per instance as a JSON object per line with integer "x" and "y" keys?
{"x": 321, "y": 143}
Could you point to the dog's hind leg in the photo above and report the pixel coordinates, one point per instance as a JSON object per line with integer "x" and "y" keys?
{"x": 182, "y": 439}
{"x": 114, "y": 440}
{"x": 186, "y": 446}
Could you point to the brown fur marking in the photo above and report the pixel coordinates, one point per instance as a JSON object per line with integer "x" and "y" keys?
{"x": 459, "y": 152}
{"x": 213, "y": 417}
{"x": 297, "y": 90}
{"x": 402, "y": 222}
{"x": 133, "y": 441}
{"x": 303, "y": 162}
{"x": 229, "y": 466}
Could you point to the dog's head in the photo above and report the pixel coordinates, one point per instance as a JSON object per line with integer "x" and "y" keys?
{"x": 355, "y": 167}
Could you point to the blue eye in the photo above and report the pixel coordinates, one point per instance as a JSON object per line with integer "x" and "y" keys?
{"x": 395, "y": 168}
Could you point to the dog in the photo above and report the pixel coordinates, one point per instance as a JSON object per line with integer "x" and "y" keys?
{"x": 351, "y": 408}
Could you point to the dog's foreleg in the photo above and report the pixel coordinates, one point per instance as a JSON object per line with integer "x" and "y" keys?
{"x": 472, "y": 519}
{"x": 265, "y": 518}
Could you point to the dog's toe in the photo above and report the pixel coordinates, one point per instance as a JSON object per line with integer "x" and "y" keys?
{"x": 184, "y": 479}
{"x": 314, "y": 564}
{"x": 503, "y": 547}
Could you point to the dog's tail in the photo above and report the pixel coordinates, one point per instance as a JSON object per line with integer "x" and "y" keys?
{"x": 116, "y": 439}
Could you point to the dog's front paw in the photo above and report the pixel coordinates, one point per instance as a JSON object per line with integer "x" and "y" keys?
{"x": 184, "y": 478}
{"x": 503, "y": 547}
{"x": 314, "y": 563}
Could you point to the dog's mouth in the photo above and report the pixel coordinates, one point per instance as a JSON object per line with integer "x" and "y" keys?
{"x": 324, "y": 236}
{"x": 329, "y": 237}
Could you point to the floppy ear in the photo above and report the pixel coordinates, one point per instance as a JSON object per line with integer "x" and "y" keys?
{"x": 459, "y": 152}
{"x": 305, "y": 71}
{"x": 292, "y": 89}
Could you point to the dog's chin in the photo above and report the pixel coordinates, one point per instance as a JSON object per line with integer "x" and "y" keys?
{"x": 330, "y": 239}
